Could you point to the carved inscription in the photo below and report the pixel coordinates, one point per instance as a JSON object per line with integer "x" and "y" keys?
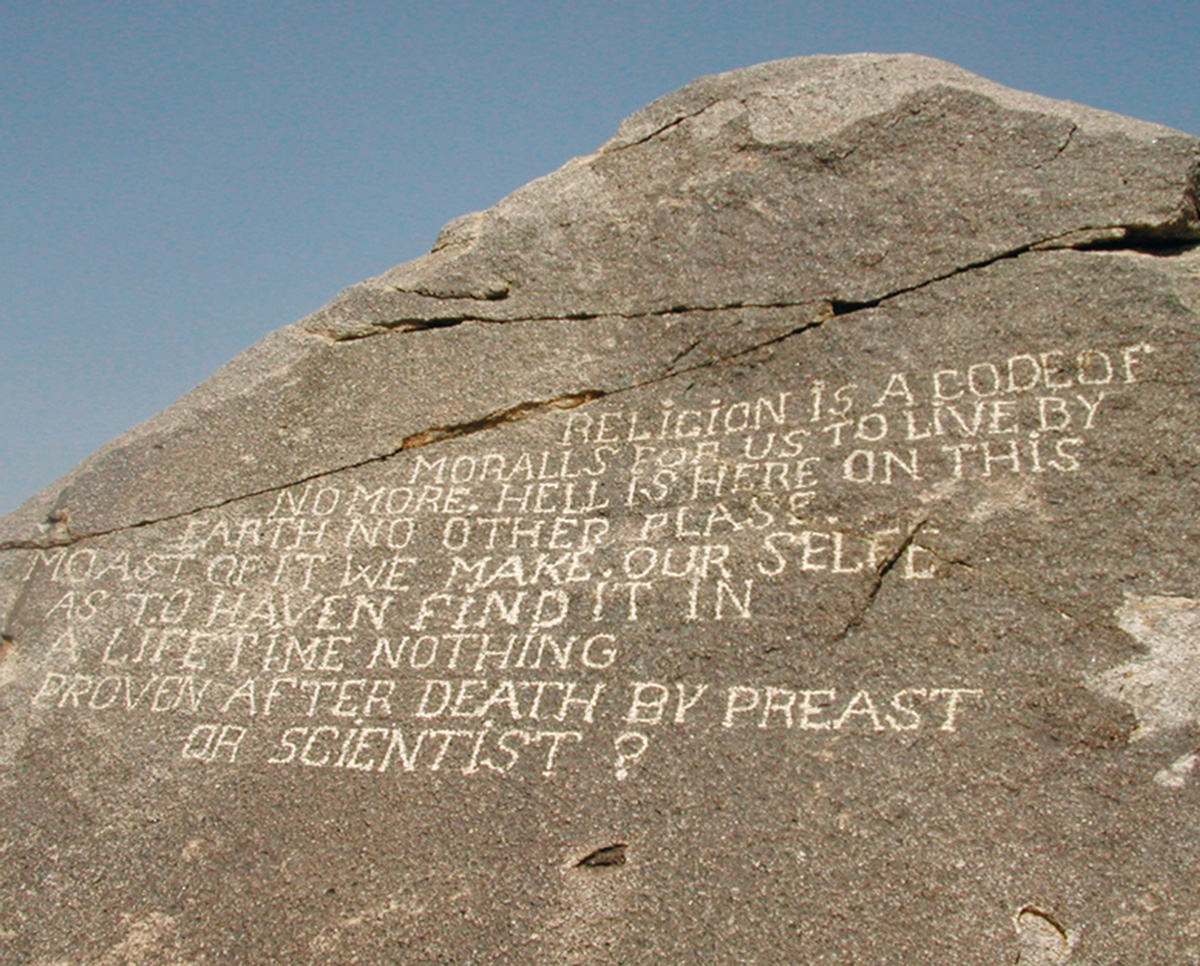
{"x": 481, "y": 609}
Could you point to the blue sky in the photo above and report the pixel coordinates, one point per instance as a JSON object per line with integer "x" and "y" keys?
{"x": 180, "y": 178}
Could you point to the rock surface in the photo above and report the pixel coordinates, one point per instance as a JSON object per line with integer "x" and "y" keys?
{"x": 769, "y": 539}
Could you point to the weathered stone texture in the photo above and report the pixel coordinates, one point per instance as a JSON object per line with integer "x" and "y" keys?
{"x": 771, "y": 538}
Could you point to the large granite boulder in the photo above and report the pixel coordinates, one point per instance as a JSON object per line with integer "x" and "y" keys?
{"x": 771, "y": 538}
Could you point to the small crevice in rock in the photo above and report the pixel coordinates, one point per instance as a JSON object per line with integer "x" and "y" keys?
{"x": 659, "y": 131}
{"x": 882, "y": 569}
{"x": 403, "y": 325}
{"x": 499, "y": 418}
{"x": 886, "y": 567}
{"x": 1065, "y": 144}
{"x": 610, "y": 855}
{"x": 443, "y": 322}
{"x": 684, "y": 352}
{"x": 1166, "y": 241}
{"x": 847, "y": 307}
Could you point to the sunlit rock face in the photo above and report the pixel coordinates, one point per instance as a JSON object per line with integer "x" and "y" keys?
{"x": 770, "y": 538}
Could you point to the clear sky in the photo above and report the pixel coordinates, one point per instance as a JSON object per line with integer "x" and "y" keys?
{"x": 179, "y": 178}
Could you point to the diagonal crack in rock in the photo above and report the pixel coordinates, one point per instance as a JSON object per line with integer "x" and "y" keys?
{"x": 511, "y": 414}
{"x": 1167, "y": 239}
{"x": 421, "y": 325}
{"x": 669, "y": 125}
{"x": 1174, "y": 239}
{"x": 884, "y": 567}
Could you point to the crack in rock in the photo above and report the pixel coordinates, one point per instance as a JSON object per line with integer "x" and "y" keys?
{"x": 511, "y": 414}
{"x": 605, "y": 857}
{"x": 1169, "y": 239}
{"x": 662, "y": 129}
{"x": 1161, "y": 240}
{"x": 1066, "y": 143}
{"x": 421, "y": 325}
{"x": 502, "y": 417}
{"x": 1136, "y": 238}
{"x": 885, "y": 567}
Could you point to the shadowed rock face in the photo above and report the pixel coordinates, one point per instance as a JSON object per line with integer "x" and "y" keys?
{"x": 768, "y": 539}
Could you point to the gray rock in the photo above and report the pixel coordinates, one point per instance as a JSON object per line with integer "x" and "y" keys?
{"x": 769, "y": 539}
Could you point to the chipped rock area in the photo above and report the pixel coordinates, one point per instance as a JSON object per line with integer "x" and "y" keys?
{"x": 770, "y": 538}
